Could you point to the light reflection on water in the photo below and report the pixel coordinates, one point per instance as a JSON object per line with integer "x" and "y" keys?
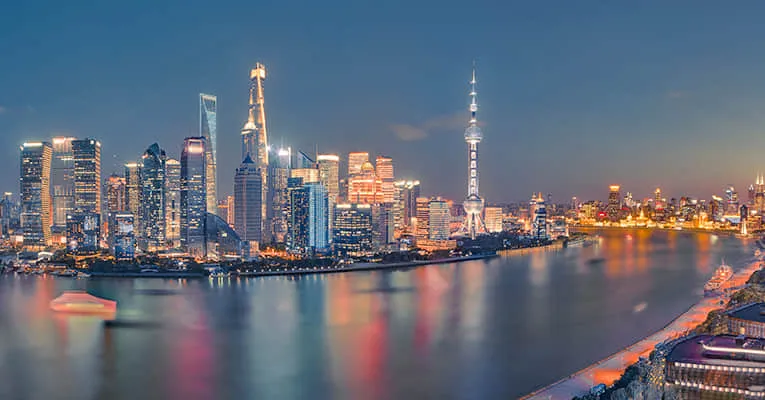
{"x": 484, "y": 329}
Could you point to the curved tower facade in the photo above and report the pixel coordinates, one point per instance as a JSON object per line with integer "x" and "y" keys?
{"x": 254, "y": 136}
{"x": 473, "y": 204}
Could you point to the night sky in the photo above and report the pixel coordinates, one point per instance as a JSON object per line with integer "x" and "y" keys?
{"x": 574, "y": 95}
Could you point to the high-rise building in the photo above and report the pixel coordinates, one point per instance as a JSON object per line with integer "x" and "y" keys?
{"x": 329, "y": 170}
{"x": 254, "y": 136}
{"x": 352, "y": 231}
{"x": 193, "y": 196}
{"x": 83, "y": 231}
{"x": 422, "y": 212}
{"x": 297, "y": 216}
{"x": 122, "y": 236}
{"x": 473, "y": 203}
{"x": 539, "y": 221}
{"x": 355, "y": 161}
{"x": 6, "y": 214}
{"x": 248, "y": 202}
{"x": 407, "y": 194}
{"x": 493, "y": 219}
{"x": 87, "y": 176}
{"x": 230, "y": 214}
{"x": 223, "y": 210}
{"x": 614, "y": 207}
{"x": 279, "y": 167}
{"x": 35, "y": 170}
{"x": 304, "y": 161}
{"x": 133, "y": 191}
{"x": 384, "y": 171}
{"x": 115, "y": 194}
{"x": 208, "y": 129}
{"x": 383, "y": 229}
{"x": 318, "y": 217}
{"x": 731, "y": 201}
{"x": 439, "y": 219}
{"x": 173, "y": 203}
{"x": 308, "y": 175}
{"x": 153, "y": 204}
{"x": 365, "y": 187}
{"x": 62, "y": 180}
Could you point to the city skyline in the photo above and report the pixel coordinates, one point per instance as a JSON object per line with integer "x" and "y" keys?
{"x": 660, "y": 112}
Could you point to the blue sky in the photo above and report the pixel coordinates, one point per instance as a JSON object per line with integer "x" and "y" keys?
{"x": 574, "y": 95}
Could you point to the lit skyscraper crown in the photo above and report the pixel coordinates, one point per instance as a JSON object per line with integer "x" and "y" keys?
{"x": 473, "y": 132}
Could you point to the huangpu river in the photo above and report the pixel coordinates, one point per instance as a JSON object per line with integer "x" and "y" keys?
{"x": 487, "y": 329}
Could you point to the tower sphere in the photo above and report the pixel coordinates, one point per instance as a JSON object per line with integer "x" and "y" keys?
{"x": 473, "y": 134}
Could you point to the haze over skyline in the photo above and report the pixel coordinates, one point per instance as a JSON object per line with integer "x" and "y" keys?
{"x": 573, "y": 97}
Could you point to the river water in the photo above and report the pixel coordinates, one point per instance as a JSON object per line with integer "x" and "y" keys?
{"x": 476, "y": 330}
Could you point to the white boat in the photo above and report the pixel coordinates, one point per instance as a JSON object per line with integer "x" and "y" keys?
{"x": 83, "y": 275}
{"x": 722, "y": 275}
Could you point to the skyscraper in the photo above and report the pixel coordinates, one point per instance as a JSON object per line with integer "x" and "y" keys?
{"x": 115, "y": 194}
{"x": 173, "y": 203}
{"x": 439, "y": 219}
{"x": 352, "y": 232}
{"x": 193, "y": 196}
{"x": 422, "y": 212}
{"x": 133, "y": 191}
{"x": 279, "y": 167}
{"x": 87, "y": 176}
{"x": 297, "y": 215}
{"x": 254, "y": 136}
{"x": 539, "y": 221}
{"x": 493, "y": 219}
{"x": 122, "y": 237}
{"x": 62, "y": 180}
{"x": 473, "y": 204}
{"x": 248, "y": 201}
{"x": 384, "y": 170}
{"x": 208, "y": 129}
{"x": 329, "y": 170}
{"x": 614, "y": 207}
{"x": 35, "y": 168}
{"x": 365, "y": 187}
{"x": 407, "y": 193}
{"x": 318, "y": 217}
{"x": 153, "y": 198}
{"x": 355, "y": 161}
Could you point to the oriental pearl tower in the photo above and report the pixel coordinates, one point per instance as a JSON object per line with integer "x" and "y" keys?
{"x": 473, "y": 205}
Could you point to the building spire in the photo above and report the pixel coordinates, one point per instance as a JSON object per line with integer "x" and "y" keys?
{"x": 473, "y": 99}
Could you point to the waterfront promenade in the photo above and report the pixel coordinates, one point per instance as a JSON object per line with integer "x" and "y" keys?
{"x": 610, "y": 369}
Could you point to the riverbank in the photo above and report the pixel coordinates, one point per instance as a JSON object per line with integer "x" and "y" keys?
{"x": 370, "y": 266}
{"x": 608, "y": 370}
{"x": 588, "y": 228}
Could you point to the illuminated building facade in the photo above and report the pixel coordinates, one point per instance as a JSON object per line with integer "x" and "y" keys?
{"x": 384, "y": 171}
{"x": 280, "y": 164}
{"x": 248, "y": 203}
{"x": 308, "y": 217}
{"x": 383, "y": 228}
{"x": 115, "y": 194}
{"x": 352, "y": 231}
{"x": 422, "y": 212}
{"x": 35, "y": 167}
{"x": 539, "y": 218}
{"x": 223, "y": 209}
{"x": 254, "y": 133}
{"x": 194, "y": 196}
{"x": 153, "y": 205}
{"x": 438, "y": 219}
{"x": 473, "y": 204}
{"x": 87, "y": 176}
{"x": 365, "y": 187}
{"x": 297, "y": 216}
{"x": 308, "y": 175}
{"x": 493, "y": 217}
{"x": 407, "y": 193}
{"x": 83, "y": 231}
{"x": 717, "y": 367}
{"x": 614, "y": 207}
{"x": 133, "y": 191}
{"x": 230, "y": 215}
{"x": 122, "y": 237}
{"x": 173, "y": 203}
{"x": 731, "y": 201}
{"x": 329, "y": 170}
{"x": 208, "y": 129}
{"x": 62, "y": 180}
{"x": 355, "y": 161}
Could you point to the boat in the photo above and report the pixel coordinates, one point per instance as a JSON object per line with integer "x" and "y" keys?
{"x": 69, "y": 273}
{"x": 79, "y": 301}
{"x": 83, "y": 275}
{"x": 723, "y": 273}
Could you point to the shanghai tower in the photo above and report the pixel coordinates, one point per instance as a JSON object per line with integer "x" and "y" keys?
{"x": 254, "y": 134}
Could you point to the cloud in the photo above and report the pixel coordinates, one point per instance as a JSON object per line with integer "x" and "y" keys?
{"x": 439, "y": 124}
